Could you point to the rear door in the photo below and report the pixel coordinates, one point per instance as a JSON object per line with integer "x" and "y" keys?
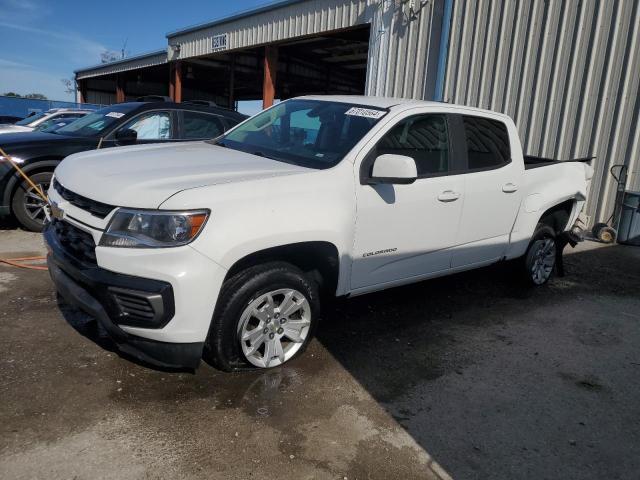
{"x": 492, "y": 190}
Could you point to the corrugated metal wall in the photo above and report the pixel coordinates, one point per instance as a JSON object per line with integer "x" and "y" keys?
{"x": 567, "y": 72}
{"x": 277, "y": 24}
{"x": 399, "y": 53}
{"x": 403, "y": 48}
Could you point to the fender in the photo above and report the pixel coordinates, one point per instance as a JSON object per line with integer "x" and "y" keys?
{"x": 246, "y": 249}
{"x": 529, "y": 216}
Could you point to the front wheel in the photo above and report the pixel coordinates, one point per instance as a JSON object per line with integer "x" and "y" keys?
{"x": 27, "y": 206}
{"x": 266, "y": 316}
{"x": 539, "y": 261}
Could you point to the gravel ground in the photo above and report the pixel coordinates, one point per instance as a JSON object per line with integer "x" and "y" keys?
{"x": 470, "y": 376}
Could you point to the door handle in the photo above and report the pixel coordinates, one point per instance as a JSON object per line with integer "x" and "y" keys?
{"x": 509, "y": 187}
{"x": 448, "y": 196}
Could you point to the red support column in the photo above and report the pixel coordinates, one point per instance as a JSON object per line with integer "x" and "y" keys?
{"x": 120, "y": 95}
{"x": 175, "y": 82}
{"x": 270, "y": 70}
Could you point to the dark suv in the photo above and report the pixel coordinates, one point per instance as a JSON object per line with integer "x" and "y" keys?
{"x": 39, "y": 153}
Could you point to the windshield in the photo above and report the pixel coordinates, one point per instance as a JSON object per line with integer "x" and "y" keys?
{"x": 311, "y": 133}
{"x": 53, "y": 124}
{"x": 33, "y": 118}
{"x": 96, "y": 123}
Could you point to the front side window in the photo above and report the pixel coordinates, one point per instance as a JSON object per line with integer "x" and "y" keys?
{"x": 151, "y": 126}
{"x": 201, "y": 125}
{"x": 423, "y": 138}
{"x": 487, "y": 143}
{"x": 311, "y": 133}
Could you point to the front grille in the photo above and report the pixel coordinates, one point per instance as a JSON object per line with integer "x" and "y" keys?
{"x": 96, "y": 209}
{"x": 75, "y": 242}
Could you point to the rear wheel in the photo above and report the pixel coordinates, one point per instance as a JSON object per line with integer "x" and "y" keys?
{"x": 266, "y": 316}
{"x": 539, "y": 261}
{"x": 27, "y": 206}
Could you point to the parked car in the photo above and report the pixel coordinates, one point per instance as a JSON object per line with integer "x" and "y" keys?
{"x": 9, "y": 119}
{"x": 123, "y": 124}
{"x": 31, "y": 122}
{"x": 228, "y": 251}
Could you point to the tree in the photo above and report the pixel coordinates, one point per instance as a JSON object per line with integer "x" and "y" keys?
{"x": 35, "y": 96}
{"x": 109, "y": 56}
{"x": 69, "y": 85}
{"x": 12, "y": 94}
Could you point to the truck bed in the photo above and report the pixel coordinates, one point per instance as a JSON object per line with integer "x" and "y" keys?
{"x": 531, "y": 161}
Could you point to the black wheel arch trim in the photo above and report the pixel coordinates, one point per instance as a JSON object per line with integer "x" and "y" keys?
{"x": 15, "y": 179}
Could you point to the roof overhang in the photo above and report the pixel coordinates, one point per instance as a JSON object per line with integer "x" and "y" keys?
{"x": 145, "y": 60}
{"x": 236, "y": 16}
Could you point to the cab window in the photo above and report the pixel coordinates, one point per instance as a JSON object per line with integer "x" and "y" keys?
{"x": 422, "y": 137}
{"x": 487, "y": 143}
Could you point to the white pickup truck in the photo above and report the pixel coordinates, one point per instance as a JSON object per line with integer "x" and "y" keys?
{"x": 224, "y": 248}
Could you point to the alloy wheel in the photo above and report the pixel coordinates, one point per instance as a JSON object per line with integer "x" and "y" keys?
{"x": 34, "y": 205}
{"x": 274, "y": 326}
{"x": 544, "y": 259}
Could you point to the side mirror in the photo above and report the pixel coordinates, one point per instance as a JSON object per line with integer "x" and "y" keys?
{"x": 391, "y": 168}
{"x": 126, "y": 136}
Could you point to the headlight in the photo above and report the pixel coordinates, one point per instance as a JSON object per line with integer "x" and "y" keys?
{"x": 153, "y": 228}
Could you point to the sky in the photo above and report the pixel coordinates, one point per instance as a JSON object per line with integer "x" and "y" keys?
{"x": 44, "y": 41}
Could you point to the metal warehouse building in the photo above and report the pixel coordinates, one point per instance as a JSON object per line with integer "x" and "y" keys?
{"x": 567, "y": 71}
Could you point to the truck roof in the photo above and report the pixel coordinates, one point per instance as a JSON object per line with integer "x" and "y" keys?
{"x": 389, "y": 102}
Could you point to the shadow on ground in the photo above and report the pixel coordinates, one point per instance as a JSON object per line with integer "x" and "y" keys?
{"x": 8, "y": 223}
{"x": 496, "y": 380}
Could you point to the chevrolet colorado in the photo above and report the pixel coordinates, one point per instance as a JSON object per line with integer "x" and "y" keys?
{"x": 224, "y": 248}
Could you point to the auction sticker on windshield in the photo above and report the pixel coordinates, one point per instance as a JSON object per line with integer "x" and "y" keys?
{"x": 115, "y": 114}
{"x": 365, "y": 112}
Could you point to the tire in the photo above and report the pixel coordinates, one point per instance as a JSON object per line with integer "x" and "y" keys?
{"x": 607, "y": 235}
{"x": 26, "y": 206}
{"x": 243, "y": 309}
{"x": 539, "y": 262}
{"x": 595, "y": 230}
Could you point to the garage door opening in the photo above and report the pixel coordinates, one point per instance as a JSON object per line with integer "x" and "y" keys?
{"x": 329, "y": 64}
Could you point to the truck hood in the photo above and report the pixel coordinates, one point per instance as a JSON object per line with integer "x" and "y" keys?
{"x": 144, "y": 176}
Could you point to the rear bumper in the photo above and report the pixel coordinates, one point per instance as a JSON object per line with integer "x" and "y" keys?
{"x": 87, "y": 288}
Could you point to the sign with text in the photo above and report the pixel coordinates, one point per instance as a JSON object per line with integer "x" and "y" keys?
{"x": 219, "y": 42}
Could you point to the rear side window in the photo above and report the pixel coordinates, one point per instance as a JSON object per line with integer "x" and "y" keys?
{"x": 201, "y": 126}
{"x": 487, "y": 143}
{"x": 422, "y": 137}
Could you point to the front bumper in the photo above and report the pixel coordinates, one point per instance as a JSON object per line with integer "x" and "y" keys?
{"x": 90, "y": 288}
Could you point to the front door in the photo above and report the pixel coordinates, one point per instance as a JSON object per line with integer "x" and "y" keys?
{"x": 407, "y": 231}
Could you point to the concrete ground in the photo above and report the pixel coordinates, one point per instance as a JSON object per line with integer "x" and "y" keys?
{"x": 470, "y": 376}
